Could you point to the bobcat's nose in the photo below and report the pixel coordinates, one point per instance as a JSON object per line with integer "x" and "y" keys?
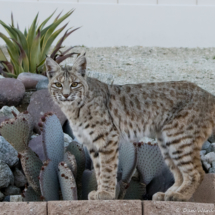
{"x": 66, "y": 95}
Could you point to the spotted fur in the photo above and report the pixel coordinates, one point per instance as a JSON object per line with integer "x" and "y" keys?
{"x": 179, "y": 114}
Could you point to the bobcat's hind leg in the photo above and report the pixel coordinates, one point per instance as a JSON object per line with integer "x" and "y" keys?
{"x": 185, "y": 153}
{"x": 160, "y": 196}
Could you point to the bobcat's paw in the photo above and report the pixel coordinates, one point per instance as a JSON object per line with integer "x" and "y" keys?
{"x": 158, "y": 196}
{"x": 174, "y": 196}
{"x": 100, "y": 195}
{"x": 92, "y": 195}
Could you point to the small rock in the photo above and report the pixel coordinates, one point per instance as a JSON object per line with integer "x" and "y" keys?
{"x": 16, "y": 198}
{"x": 7, "y": 111}
{"x": 206, "y": 165}
{"x": 202, "y": 152}
{"x": 6, "y": 199}
{"x": 213, "y": 164}
{"x": 209, "y": 149}
{"x": 7, "y": 153}
{"x": 11, "y": 190}
{"x": 19, "y": 178}
{"x": 1, "y": 196}
{"x": 1, "y": 76}
{"x": 41, "y": 103}
{"x": 205, "y": 145}
{"x": 27, "y": 98}
{"x": 43, "y": 84}
{"x": 213, "y": 147}
{"x": 11, "y": 92}
{"x": 211, "y": 170}
{"x": 6, "y": 176}
{"x": 104, "y": 77}
{"x": 210, "y": 157}
{"x": 30, "y": 80}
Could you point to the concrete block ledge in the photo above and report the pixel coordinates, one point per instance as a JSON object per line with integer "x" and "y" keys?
{"x": 117, "y": 207}
{"x": 23, "y": 208}
{"x": 106, "y": 207}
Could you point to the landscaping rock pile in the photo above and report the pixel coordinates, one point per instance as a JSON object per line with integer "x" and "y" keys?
{"x": 12, "y": 179}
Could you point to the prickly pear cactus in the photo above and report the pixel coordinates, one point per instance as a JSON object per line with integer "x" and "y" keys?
{"x": 77, "y": 150}
{"x": 49, "y": 183}
{"x": 149, "y": 161}
{"x": 52, "y": 138}
{"x": 69, "y": 159}
{"x": 67, "y": 182}
{"x": 29, "y": 195}
{"x": 17, "y": 131}
{"x": 31, "y": 165}
{"x": 127, "y": 165}
{"x": 53, "y": 143}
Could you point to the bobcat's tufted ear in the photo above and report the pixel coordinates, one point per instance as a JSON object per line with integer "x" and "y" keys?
{"x": 80, "y": 65}
{"x": 51, "y": 67}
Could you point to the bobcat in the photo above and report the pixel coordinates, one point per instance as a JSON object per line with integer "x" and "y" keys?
{"x": 179, "y": 114}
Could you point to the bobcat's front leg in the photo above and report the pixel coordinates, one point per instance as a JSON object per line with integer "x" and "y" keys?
{"x": 108, "y": 162}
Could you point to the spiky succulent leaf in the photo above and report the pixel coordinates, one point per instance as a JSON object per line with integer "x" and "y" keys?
{"x": 29, "y": 195}
{"x": 89, "y": 183}
{"x": 53, "y": 139}
{"x": 31, "y": 165}
{"x": 35, "y": 53}
{"x": 67, "y": 182}
{"x": 49, "y": 183}
{"x": 54, "y": 26}
{"x": 149, "y": 161}
{"x": 31, "y": 34}
{"x": 45, "y": 21}
{"x": 47, "y": 44}
{"x": 11, "y": 46}
{"x": 69, "y": 159}
{"x": 2, "y": 56}
{"x": 17, "y": 131}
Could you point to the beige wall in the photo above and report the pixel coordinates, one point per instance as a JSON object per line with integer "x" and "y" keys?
{"x": 165, "y": 23}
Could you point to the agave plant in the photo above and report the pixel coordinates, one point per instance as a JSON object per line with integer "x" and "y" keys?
{"x": 28, "y": 50}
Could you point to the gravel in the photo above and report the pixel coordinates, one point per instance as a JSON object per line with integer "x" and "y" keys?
{"x": 153, "y": 64}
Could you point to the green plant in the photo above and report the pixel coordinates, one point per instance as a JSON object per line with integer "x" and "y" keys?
{"x": 28, "y": 50}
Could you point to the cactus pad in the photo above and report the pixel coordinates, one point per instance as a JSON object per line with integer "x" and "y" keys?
{"x": 52, "y": 138}
{"x": 31, "y": 165}
{"x": 149, "y": 161}
{"x": 29, "y": 195}
{"x": 69, "y": 159}
{"x": 67, "y": 182}
{"x": 89, "y": 183}
{"x": 127, "y": 160}
{"x": 88, "y": 163}
{"x": 77, "y": 150}
{"x": 49, "y": 184}
{"x": 17, "y": 131}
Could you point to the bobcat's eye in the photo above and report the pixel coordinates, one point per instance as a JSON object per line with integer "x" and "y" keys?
{"x": 75, "y": 84}
{"x": 58, "y": 84}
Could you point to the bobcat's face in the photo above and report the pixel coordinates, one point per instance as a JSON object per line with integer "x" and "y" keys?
{"x": 67, "y": 85}
{"x": 66, "y": 88}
